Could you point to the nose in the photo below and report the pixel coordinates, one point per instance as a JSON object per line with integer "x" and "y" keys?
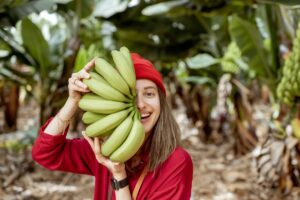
{"x": 140, "y": 102}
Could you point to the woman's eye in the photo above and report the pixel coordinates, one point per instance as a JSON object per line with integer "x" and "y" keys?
{"x": 149, "y": 94}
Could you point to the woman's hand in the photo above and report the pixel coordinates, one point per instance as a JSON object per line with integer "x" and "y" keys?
{"x": 117, "y": 169}
{"x": 76, "y": 86}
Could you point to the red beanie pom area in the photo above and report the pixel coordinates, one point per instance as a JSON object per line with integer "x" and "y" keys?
{"x": 144, "y": 69}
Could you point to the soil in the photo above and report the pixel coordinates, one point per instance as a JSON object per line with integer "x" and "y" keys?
{"x": 218, "y": 173}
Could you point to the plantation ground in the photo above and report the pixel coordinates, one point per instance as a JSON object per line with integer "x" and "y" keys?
{"x": 218, "y": 173}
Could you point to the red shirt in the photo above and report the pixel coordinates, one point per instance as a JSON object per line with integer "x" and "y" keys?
{"x": 170, "y": 181}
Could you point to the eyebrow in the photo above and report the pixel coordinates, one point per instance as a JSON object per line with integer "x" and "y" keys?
{"x": 150, "y": 87}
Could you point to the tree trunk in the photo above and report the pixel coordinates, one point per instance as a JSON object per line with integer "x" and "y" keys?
{"x": 10, "y": 96}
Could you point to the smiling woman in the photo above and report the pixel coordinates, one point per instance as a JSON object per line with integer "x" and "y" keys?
{"x": 161, "y": 169}
{"x": 148, "y": 103}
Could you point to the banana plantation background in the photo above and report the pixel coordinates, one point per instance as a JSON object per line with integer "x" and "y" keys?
{"x": 231, "y": 67}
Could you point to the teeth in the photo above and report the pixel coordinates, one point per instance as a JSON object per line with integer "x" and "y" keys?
{"x": 145, "y": 115}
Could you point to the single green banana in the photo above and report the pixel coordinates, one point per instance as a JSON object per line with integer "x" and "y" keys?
{"x": 126, "y": 53}
{"x": 90, "y": 96}
{"x": 97, "y": 76}
{"x": 125, "y": 68}
{"x": 107, "y": 123}
{"x": 105, "y": 90}
{"x": 132, "y": 143}
{"x": 90, "y": 117}
{"x": 111, "y": 75}
{"x": 107, "y": 133}
{"x": 101, "y": 106}
{"x": 118, "y": 136}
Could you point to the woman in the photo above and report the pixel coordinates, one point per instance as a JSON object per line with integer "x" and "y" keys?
{"x": 160, "y": 170}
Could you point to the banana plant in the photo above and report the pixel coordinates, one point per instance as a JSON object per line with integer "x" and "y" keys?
{"x": 10, "y": 13}
{"x": 50, "y": 59}
{"x": 246, "y": 35}
{"x": 43, "y": 59}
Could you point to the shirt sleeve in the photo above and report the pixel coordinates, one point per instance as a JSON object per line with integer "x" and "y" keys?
{"x": 175, "y": 178}
{"x": 58, "y": 153}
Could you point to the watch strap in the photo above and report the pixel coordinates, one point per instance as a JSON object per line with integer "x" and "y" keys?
{"x": 116, "y": 185}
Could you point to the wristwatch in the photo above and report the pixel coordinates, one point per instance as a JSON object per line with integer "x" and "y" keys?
{"x": 116, "y": 185}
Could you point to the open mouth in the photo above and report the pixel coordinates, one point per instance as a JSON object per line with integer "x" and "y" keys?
{"x": 145, "y": 117}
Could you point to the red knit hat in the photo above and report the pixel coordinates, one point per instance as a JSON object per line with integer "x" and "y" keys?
{"x": 144, "y": 69}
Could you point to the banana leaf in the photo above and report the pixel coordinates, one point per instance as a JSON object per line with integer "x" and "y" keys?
{"x": 17, "y": 49}
{"x": 36, "y": 45}
{"x": 294, "y": 3}
{"x": 249, "y": 40}
{"x": 162, "y": 8}
{"x": 81, "y": 59}
{"x": 5, "y": 50}
{"x": 108, "y": 8}
{"x": 201, "y": 61}
{"x": 267, "y": 22}
{"x": 13, "y": 75}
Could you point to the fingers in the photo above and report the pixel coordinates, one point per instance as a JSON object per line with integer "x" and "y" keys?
{"x": 80, "y": 84}
{"x": 97, "y": 146}
{"x": 90, "y": 65}
{"x": 97, "y": 150}
{"x": 82, "y": 74}
{"x": 116, "y": 164}
{"x": 77, "y": 85}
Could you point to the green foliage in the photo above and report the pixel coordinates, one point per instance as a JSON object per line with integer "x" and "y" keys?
{"x": 232, "y": 59}
{"x": 162, "y": 8}
{"x": 108, "y": 8}
{"x": 4, "y": 49}
{"x": 284, "y": 2}
{"x": 249, "y": 41}
{"x": 82, "y": 9}
{"x": 197, "y": 33}
{"x": 201, "y": 61}
{"x": 35, "y": 43}
{"x": 84, "y": 56}
{"x": 12, "y": 11}
{"x": 81, "y": 59}
{"x": 289, "y": 86}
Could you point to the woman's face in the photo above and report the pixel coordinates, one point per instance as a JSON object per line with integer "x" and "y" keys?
{"x": 148, "y": 103}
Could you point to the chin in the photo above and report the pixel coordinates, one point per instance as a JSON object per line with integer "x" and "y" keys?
{"x": 148, "y": 126}
{"x": 147, "y": 129}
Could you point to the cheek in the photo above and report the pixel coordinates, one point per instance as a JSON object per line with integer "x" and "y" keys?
{"x": 156, "y": 109}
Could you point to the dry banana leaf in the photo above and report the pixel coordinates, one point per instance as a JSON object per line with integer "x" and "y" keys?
{"x": 277, "y": 149}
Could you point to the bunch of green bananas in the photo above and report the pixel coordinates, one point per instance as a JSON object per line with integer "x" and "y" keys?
{"x": 110, "y": 107}
{"x": 289, "y": 86}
